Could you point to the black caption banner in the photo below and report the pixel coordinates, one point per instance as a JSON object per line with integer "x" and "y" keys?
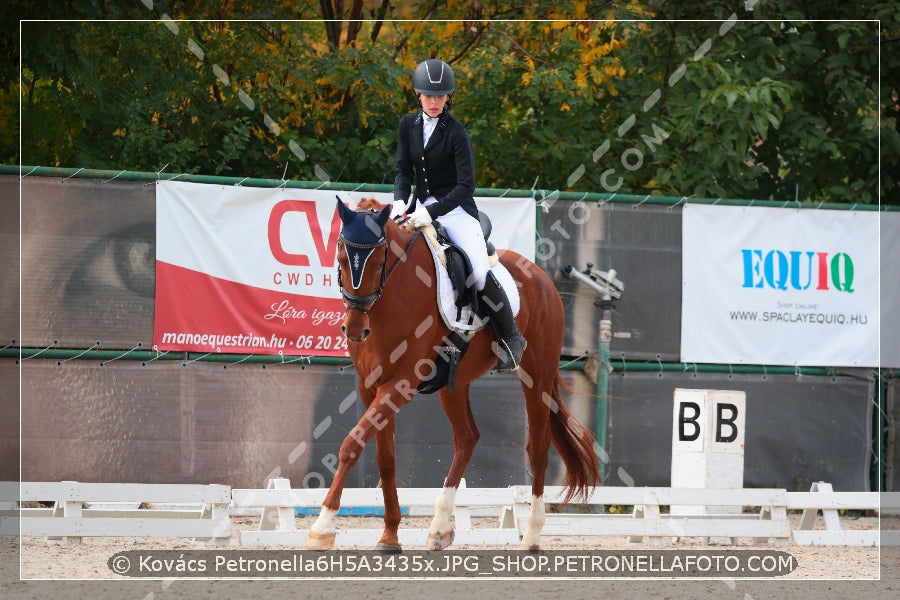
{"x": 451, "y": 563}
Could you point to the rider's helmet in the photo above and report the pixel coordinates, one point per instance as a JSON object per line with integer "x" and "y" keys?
{"x": 433, "y": 77}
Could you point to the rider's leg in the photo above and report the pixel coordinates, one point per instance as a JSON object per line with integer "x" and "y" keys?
{"x": 465, "y": 231}
{"x": 510, "y": 343}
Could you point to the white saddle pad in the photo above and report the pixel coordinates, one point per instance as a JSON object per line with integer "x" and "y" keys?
{"x": 467, "y": 319}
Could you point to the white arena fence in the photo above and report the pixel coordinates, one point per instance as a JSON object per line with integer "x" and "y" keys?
{"x": 204, "y": 512}
{"x": 117, "y": 509}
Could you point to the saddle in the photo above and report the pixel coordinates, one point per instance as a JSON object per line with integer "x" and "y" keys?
{"x": 459, "y": 269}
{"x": 458, "y": 266}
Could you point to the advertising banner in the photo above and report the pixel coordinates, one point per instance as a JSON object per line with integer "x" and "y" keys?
{"x": 779, "y": 286}
{"x": 890, "y": 289}
{"x": 253, "y": 270}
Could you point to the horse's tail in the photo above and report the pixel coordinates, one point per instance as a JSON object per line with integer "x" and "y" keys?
{"x": 575, "y": 445}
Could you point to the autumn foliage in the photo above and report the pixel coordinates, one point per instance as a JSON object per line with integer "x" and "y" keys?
{"x": 616, "y": 96}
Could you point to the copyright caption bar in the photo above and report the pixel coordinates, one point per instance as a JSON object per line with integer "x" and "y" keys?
{"x": 515, "y": 564}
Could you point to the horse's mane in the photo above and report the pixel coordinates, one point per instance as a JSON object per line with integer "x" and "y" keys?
{"x": 369, "y": 204}
{"x": 374, "y": 206}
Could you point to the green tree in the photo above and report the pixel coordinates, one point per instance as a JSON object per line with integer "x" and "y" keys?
{"x": 654, "y": 97}
{"x": 783, "y": 109}
{"x": 312, "y": 99}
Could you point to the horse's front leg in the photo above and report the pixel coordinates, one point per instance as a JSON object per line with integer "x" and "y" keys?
{"x": 379, "y": 416}
{"x": 323, "y": 532}
{"x": 465, "y": 436}
{"x": 387, "y": 470}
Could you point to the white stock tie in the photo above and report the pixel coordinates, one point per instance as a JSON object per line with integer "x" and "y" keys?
{"x": 428, "y": 125}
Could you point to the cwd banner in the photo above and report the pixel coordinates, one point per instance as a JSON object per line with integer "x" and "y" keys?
{"x": 779, "y": 286}
{"x": 253, "y": 270}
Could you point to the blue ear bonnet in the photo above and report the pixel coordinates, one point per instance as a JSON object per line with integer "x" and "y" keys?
{"x": 362, "y": 232}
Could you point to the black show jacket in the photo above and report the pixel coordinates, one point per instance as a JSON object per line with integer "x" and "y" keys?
{"x": 445, "y": 169}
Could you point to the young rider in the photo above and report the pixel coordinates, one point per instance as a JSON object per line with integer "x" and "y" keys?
{"x": 434, "y": 149}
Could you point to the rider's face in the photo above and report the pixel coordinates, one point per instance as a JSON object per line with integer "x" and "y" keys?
{"x": 433, "y": 105}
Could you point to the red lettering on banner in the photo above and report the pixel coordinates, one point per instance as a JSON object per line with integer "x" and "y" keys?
{"x": 823, "y": 271}
{"x": 326, "y": 249}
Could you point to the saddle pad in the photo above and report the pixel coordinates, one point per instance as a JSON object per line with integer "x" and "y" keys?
{"x": 468, "y": 320}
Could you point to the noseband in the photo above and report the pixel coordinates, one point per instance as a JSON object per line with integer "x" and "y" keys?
{"x": 364, "y": 303}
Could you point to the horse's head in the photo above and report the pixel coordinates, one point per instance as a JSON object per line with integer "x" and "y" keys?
{"x": 362, "y": 258}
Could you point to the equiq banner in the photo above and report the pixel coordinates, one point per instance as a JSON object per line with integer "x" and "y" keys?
{"x": 889, "y": 228}
{"x": 779, "y": 286}
{"x": 253, "y": 270}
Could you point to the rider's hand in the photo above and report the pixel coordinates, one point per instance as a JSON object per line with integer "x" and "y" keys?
{"x": 420, "y": 217}
{"x": 398, "y": 208}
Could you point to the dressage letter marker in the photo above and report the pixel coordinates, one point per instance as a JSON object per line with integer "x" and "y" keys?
{"x": 707, "y": 442}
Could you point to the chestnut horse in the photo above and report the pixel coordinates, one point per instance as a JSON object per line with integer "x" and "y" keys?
{"x": 393, "y": 328}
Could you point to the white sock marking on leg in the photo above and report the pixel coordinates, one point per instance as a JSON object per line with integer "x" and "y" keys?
{"x": 443, "y": 510}
{"x": 325, "y": 522}
{"x": 536, "y": 518}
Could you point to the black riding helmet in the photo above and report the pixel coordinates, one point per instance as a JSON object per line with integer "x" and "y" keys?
{"x": 433, "y": 77}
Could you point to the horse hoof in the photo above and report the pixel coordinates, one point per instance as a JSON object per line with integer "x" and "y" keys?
{"x": 533, "y": 548}
{"x": 319, "y": 541}
{"x": 388, "y": 549}
{"x": 439, "y": 541}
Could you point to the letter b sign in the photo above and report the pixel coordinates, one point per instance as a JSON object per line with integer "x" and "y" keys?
{"x": 726, "y": 429}
{"x": 689, "y": 426}
{"x": 708, "y": 420}
{"x": 707, "y": 443}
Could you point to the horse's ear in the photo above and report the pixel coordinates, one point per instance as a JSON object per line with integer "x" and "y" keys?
{"x": 375, "y": 223}
{"x": 384, "y": 215}
{"x": 345, "y": 212}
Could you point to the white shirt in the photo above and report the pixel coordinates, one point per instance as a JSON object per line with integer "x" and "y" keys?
{"x": 428, "y": 125}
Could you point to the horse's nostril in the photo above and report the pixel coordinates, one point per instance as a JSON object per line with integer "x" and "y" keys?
{"x": 365, "y": 333}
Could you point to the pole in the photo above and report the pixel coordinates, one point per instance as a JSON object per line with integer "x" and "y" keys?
{"x": 603, "y": 370}
{"x": 610, "y": 289}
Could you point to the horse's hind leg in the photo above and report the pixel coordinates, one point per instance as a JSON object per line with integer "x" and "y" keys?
{"x": 465, "y": 437}
{"x": 538, "y": 404}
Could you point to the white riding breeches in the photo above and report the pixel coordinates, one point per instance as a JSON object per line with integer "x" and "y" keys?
{"x": 465, "y": 231}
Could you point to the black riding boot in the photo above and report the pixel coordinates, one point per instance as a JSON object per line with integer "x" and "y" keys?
{"x": 510, "y": 344}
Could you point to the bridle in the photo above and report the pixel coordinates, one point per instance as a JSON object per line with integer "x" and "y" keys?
{"x": 364, "y": 303}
